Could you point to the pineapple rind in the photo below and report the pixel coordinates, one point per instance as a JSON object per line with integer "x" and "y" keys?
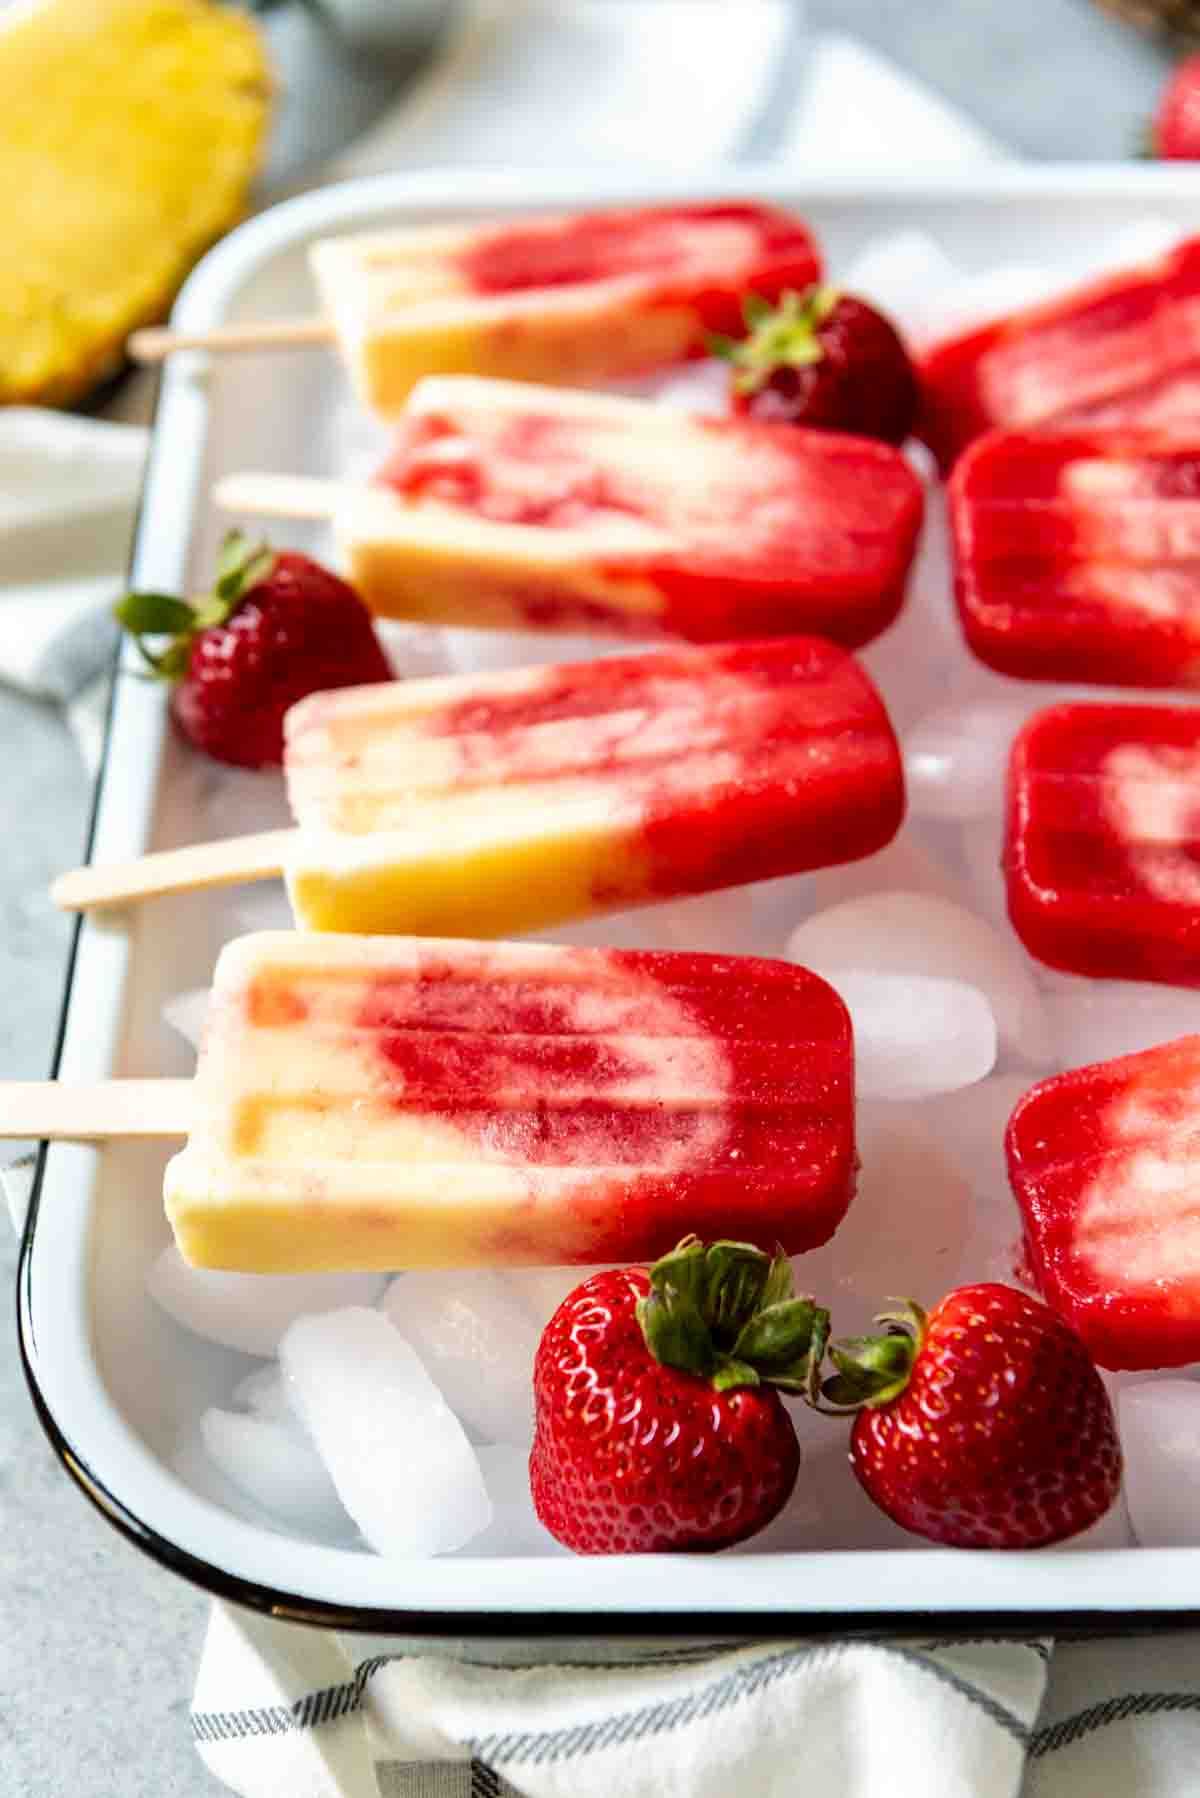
{"x": 130, "y": 131}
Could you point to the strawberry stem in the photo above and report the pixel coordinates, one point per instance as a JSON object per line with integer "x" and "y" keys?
{"x": 782, "y": 336}
{"x": 728, "y": 1313}
{"x": 871, "y": 1371}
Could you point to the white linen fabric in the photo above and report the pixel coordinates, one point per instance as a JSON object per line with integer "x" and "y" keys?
{"x": 280, "y": 1711}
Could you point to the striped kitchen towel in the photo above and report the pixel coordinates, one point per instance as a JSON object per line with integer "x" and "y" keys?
{"x": 281, "y": 1711}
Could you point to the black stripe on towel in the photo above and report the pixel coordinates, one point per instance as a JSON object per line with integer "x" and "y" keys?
{"x": 1113, "y": 1710}
{"x": 732, "y": 1688}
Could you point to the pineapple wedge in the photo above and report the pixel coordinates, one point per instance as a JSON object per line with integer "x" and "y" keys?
{"x": 130, "y": 131}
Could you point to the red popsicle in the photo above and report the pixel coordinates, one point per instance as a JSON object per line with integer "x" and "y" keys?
{"x": 1105, "y": 1165}
{"x": 1077, "y": 557}
{"x": 1103, "y": 844}
{"x": 1121, "y": 351}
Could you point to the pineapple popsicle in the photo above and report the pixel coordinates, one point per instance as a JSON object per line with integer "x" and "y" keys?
{"x": 516, "y": 508}
{"x": 379, "y": 1102}
{"x": 573, "y": 298}
{"x": 486, "y": 805}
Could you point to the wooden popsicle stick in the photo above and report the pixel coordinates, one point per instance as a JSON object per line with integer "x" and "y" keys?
{"x": 224, "y": 863}
{"x": 157, "y": 342}
{"x": 282, "y": 495}
{"x": 46, "y": 1110}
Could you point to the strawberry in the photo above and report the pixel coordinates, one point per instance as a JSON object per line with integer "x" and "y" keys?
{"x": 824, "y": 360}
{"x": 275, "y": 628}
{"x": 982, "y": 1424}
{"x": 658, "y": 1426}
{"x": 1175, "y": 133}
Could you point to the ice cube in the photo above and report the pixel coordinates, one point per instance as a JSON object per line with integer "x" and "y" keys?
{"x": 396, "y": 1453}
{"x": 982, "y": 845}
{"x": 975, "y": 299}
{"x": 476, "y": 1340}
{"x": 970, "y": 1126}
{"x": 264, "y": 1393}
{"x": 915, "y": 660}
{"x": 905, "y": 1230}
{"x": 994, "y": 1249}
{"x": 902, "y": 932}
{"x": 488, "y": 652}
{"x": 1097, "y": 1020}
{"x": 899, "y": 271}
{"x": 278, "y": 1469}
{"x": 541, "y": 1290}
{"x": 1159, "y": 1422}
{"x": 248, "y": 1311}
{"x": 722, "y": 922}
{"x": 906, "y": 865}
{"x": 415, "y": 651}
{"x": 914, "y": 1035}
{"x": 701, "y": 386}
{"x": 956, "y": 758}
{"x": 186, "y": 1012}
{"x": 514, "y": 1529}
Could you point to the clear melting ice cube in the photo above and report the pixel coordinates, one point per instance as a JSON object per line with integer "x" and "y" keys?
{"x": 396, "y": 1453}
{"x": 248, "y": 1311}
{"x": 477, "y": 1342}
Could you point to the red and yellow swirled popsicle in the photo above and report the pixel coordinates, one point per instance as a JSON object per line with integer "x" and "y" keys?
{"x": 513, "y": 507}
{"x": 575, "y": 297}
{"x": 485, "y": 805}
{"x": 377, "y": 1103}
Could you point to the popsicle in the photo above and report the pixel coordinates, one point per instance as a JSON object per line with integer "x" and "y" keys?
{"x": 1105, "y": 1165}
{"x": 518, "y": 508}
{"x": 480, "y": 805}
{"x": 1077, "y": 557}
{"x": 367, "y": 1102}
{"x": 574, "y": 297}
{"x": 1120, "y": 351}
{"x": 1102, "y": 854}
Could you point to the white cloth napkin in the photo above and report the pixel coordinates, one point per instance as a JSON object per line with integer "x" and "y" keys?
{"x": 68, "y": 493}
{"x": 284, "y": 1712}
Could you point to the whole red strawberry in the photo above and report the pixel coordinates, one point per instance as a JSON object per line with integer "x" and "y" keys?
{"x": 657, "y": 1428}
{"x": 275, "y": 628}
{"x": 983, "y": 1424}
{"x": 1175, "y": 133}
{"x": 824, "y": 360}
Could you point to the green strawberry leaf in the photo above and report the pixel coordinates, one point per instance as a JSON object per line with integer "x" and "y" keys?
{"x": 154, "y": 614}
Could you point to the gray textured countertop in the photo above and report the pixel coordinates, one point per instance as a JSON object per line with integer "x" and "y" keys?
{"x": 99, "y": 1646}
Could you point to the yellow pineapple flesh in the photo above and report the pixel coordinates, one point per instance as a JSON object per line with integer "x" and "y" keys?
{"x": 130, "y": 131}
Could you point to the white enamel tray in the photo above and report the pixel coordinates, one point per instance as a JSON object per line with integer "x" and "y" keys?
{"x": 118, "y": 1386}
